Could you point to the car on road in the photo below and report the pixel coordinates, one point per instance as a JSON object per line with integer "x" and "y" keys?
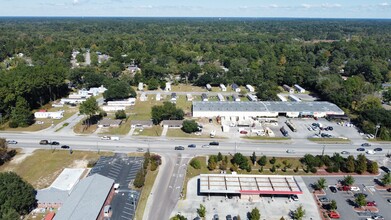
{"x": 371, "y": 203}
{"x": 290, "y": 151}
{"x": 370, "y": 152}
{"x": 205, "y": 146}
{"x": 12, "y": 142}
{"x": 55, "y": 143}
{"x": 65, "y": 147}
{"x": 378, "y": 149}
{"x": 228, "y": 217}
{"x": 44, "y": 142}
{"x": 360, "y": 149}
{"x": 324, "y": 200}
{"x": 140, "y": 149}
{"x": 333, "y": 189}
{"x": 214, "y": 143}
{"x": 179, "y": 148}
{"x": 105, "y": 138}
{"x": 191, "y": 146}
{"x": 365, "y": 145}
{"x": 389, "y": 201}
{"x": 345, "y": 152}
{"x": 294, "y": 197}
{"x": 377, "y": 217}
{"x": 243, "y": 132}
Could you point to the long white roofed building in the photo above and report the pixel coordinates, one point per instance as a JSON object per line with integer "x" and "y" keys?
{"x": 264, "y": 109}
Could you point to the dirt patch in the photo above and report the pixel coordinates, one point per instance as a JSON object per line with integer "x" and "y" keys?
{"x": 79, "y": 164}
{"x": 22, "y": 155}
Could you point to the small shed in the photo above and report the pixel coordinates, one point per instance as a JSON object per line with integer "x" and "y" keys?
{"x": 168, "y": 86}
{"x": 236, "y": 98}
{"x": 204, "y": 97}
{"x": 158, "y": 97}
{"x": 235, "y": 87}
{"x": 288, "y": 88}
{"x": 250, "y": 88}
{"x": 143, "y": 97}
{"x": 140, "y": 86}
{"x": 220, "y": 97}
{"x": 173, "y": 97}
{"x": 208, "y": 87}
{"x": 223, "y": 88}
{"x": 189, "y": 97}
{"x": 299, "y": 89}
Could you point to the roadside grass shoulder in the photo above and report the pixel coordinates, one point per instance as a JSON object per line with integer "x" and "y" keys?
{"x": 43, "y": 166}
{"x": 146, "y": 190}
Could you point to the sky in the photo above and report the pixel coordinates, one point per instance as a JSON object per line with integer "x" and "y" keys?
{"x": 199, "y": 8}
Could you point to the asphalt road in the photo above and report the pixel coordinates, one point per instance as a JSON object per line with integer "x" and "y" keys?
{"x": 169, "y": 184}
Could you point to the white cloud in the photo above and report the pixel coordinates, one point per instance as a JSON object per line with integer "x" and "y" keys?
{"x": 330, "y": 5}
{"x": 385, "y": 4}
{"x": 306, "y": 5}
{"x": 75, "y": 2}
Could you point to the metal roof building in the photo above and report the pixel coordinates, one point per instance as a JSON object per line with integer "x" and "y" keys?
{"x": 248, "y": 184}
{"x": 264, "y": 109}
{"x": 87, "y": 199}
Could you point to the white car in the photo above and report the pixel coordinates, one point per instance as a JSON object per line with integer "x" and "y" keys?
{"x": 289, "y": 151}
{"x": 105, "y": 138}
{"x": 354, "y": 188}
{"x": 370, "y": 152}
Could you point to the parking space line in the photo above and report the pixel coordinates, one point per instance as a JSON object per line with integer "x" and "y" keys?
{"x": 128, "y": 213}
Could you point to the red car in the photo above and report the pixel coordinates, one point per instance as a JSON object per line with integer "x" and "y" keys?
{"x": 243, "y": 132}
{"x": 334, "y": 215}
{"x": 389, "y": 189}
{"x": 373, "y": 203}
{"x": 344, "y": 188}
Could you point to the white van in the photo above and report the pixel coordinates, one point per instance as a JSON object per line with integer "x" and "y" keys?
{"x": 115, "y": 138}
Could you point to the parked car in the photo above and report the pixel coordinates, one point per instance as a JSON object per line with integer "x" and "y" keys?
{"x": 334, "y": 215}
{"x": 377, "y": 217}
{"x": 345, "y": 152}
{"x": 216, "y": 217}
{"x": 389, "y": 200}
{"x": 360, "y": 149}
{"x": 294, "y": 197}
{"x": 365, "y": 145}
{"x": 378, "y": 149}
{"x": 357, "y": 194}
{"x": 214, "y": 143}
{"x": 65, "y": 147}
{"x": 229, "y": 217}
{"x": 140, "y": 149}
{"x": 179, "y": 148}
{"x": 243, "y": 132}
{"x": 385, "y": 169}
{"x": 355, "y": 188}
{"x": 289, "y": 151}
{"x": 344, "y": 188}
{"x": 55, "y": 143}
{"x": 44, "y": 142}
{"x": 330, "y": 128}
{"x": 372, "y": 203}
{"x": 324, "y": 200}
{"x": 12, "y": 142}
{"x": 333, "y": 189}
{"x": 191, "y": 146}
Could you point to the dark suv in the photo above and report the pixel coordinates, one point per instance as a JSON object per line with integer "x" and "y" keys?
{"x": 179, "y": 148}
{"x": 192, "y": 146}
{"x": 44, "y": 142}
{"x": 214, "y": 143}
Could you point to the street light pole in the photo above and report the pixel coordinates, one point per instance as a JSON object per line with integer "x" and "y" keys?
{"x": 377, "y": 128}
{"x": 324, "y": 146}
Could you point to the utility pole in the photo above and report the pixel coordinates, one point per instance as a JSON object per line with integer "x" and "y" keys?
{"x": 324, "y": 146}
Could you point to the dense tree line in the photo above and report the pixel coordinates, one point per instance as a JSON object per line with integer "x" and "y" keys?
{"x": 263, "y": 52}
{"x": 16, "y": 196}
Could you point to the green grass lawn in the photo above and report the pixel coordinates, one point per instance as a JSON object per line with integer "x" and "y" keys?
{"x": 43, "y": 166}
{"x": 155, "y": 131}
{"x": 186, "y": 88}
{"x": 330, "y": 140}
{"x": 149, "y": 181}
{"x": 182, "y": 103}
{"x": 142, "y": 110}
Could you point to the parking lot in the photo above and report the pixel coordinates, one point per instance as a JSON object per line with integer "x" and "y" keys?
{"x": 122, "y": 169}
{"x": 345, "y": 199}
{"x": 270, "y": 207}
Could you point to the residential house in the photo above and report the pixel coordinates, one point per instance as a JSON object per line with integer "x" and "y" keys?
{"x": 140, "y": 86}
{"x": 172, "y": 123}
{"x": 143, "y": 97}
{"x": 52, "y": 115}
{"x": 223, "y": 88}
{"x": 299, "y": 89}
{"x": 189, "y": 97}
{"x": 236, "y": 98}
{"x": 220, "y": 97}
{"x": 168, "y": 86}
{"x": 107, "y": 122}
{"x": 204, "y": 97}
{"x": 235, "y": 87}
{"x": 208, "y": 87}
{"x": 250, "y": 88}
{"x": 288, "y": 88}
